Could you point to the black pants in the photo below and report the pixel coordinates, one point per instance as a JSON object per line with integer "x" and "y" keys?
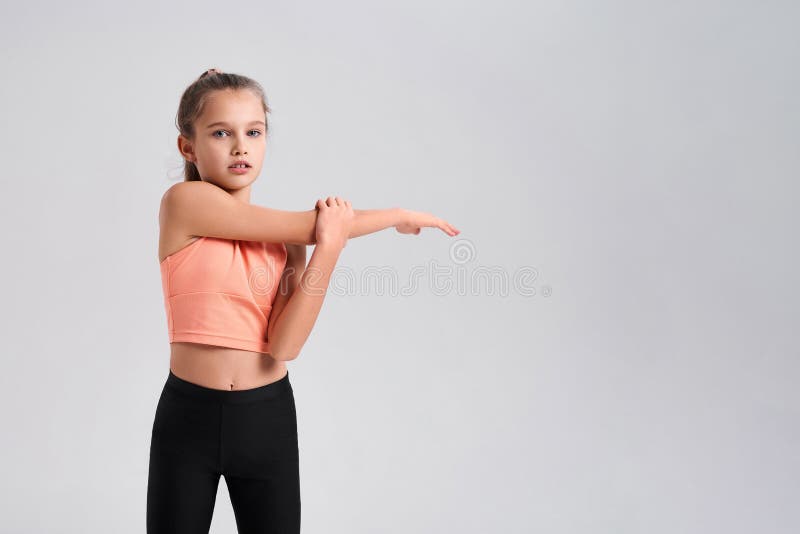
{"x": 249, "y": 436}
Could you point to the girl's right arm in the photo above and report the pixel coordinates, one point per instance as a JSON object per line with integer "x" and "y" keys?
{"x": 201, "y": 208}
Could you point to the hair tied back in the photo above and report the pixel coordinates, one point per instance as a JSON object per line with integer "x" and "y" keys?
{"x": 211, "y": 71}
{"x": 194, "y": 98}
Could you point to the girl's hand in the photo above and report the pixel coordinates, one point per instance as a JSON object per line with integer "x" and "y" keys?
{"x": 334, "y": 219}
{"x": 414, "y": 221}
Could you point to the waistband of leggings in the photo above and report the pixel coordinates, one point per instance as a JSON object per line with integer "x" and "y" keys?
{"x": 237, "y": 396}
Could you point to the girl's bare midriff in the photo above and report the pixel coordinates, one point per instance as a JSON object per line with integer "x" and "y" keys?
{"x": 217, "y": 367}
{"x": 223, "y": 368}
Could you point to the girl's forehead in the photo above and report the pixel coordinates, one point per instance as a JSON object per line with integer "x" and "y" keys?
{"x": 237, "y": 97}
{"x": 236, "y": 105}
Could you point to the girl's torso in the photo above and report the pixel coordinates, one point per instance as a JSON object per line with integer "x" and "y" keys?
{"x": 211, "y": 366}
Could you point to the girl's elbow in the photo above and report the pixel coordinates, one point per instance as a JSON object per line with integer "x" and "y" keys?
{"x": 283, "y": 355}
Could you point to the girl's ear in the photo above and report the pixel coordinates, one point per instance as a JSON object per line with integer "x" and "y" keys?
{"x": 186, "y": 149}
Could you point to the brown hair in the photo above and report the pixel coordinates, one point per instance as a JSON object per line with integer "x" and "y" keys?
{"x": 194, "y": 98}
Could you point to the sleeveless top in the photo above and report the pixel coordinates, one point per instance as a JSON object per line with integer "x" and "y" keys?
{"x": 220, "y": 291}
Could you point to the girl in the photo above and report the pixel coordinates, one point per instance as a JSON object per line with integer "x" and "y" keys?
{"x": 240, "y": 303}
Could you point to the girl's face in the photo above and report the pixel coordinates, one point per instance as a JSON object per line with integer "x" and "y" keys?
{"x": 230, "y": 128}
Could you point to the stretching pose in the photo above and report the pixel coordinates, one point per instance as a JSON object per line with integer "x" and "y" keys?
{"x": 240, "y": 302}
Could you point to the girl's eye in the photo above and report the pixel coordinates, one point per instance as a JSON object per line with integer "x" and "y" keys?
{"x": 258, "y": 132}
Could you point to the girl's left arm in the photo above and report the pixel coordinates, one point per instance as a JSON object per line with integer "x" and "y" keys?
{"x": 292, "y": 273}
{"x": 364, "y": 222}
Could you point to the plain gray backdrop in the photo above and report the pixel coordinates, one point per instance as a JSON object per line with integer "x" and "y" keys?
{"x": 627, "y": 171}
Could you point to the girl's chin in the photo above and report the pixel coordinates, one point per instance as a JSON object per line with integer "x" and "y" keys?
{"x": 231, "y": 181}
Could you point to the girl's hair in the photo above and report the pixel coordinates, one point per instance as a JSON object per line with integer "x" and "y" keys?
{"x": 194, "y": 98}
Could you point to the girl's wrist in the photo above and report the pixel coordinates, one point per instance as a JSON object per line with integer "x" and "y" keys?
{"x": 399, "y": 216}
{"x": 329, "y": 247}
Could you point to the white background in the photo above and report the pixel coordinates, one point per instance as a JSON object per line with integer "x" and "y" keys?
{"x": 642, "y": 157}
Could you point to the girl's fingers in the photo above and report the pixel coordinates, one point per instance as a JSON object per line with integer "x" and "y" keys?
{"x": 447, "y": 227}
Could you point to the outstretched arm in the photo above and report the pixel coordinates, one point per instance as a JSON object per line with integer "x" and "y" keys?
{"x": 369, "y": 221}
{"x": 405, "y": 221}
{"x": 201, "y": 208}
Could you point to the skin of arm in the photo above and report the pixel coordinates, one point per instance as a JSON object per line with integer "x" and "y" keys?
{"x": 292, "y": 272}
{"x": 289, "y": 331}
{"x": 369, "y": 221}
{"x": 201, "y": 208}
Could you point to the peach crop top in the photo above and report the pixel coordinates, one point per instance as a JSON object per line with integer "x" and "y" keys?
{"x": 220, "y": 291}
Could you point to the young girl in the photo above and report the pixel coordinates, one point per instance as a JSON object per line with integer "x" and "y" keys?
{"x": 240, "y": 302}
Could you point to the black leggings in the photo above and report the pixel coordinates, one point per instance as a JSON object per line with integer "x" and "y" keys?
{"x": 249, "y": 436}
